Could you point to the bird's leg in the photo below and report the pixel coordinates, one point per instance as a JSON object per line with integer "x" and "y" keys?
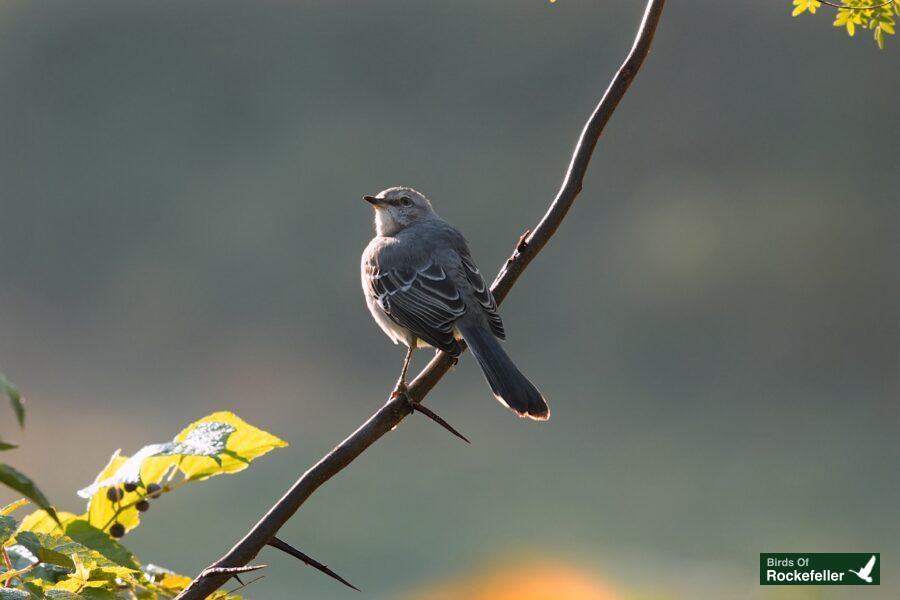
{"x": 401, "y": 383}
{"x": 400, "y": 388}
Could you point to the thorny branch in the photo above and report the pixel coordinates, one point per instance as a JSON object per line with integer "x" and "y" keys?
{"x": 401, "y": 405}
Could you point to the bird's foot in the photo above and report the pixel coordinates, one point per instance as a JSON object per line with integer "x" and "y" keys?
{"x": 402, "y": 391}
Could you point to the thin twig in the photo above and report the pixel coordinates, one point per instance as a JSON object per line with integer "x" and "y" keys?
{"x": 6, "y": 560}
{"x": 10, "y": 575}
{"x": 243, "y": 585}
{"x": 835, "y": 5}
{"x": 396, "y": 409}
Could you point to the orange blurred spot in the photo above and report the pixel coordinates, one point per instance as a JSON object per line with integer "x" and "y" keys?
{"x": 532, "y": 580}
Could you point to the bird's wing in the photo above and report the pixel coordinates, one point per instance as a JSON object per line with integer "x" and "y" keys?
{"x": 483, "y": 294}
{"x": 425, "y": 300}
{"x": 865, "y": 571}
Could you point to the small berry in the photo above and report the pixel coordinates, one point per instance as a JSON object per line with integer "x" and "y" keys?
{"x": 154, "y": 490}
{"x": 130, "y": 487}
{"x": 117, "y": 530}
{"x": 142, "y": 506}
{"x": 114, "y": 494}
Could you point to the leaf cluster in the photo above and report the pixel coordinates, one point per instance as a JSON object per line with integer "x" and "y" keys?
{"x": 877, "y": 16}
{"x": 63, "y": 555}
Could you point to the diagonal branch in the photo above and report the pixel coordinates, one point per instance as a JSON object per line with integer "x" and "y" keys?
{"x": 399, "y": 407}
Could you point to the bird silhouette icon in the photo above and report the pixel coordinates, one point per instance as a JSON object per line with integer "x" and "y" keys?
{"x": 866, "y": 572}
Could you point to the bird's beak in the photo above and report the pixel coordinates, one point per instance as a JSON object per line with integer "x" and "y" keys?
{"x": 376, "y": 202}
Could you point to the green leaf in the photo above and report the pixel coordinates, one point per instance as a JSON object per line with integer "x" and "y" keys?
{"x": 36, "y": 546}
{"x": 51, "y": 593}
{"x": 25, "y": 486}
{"x": 63, "y": 551}
{"x": 11, "y": 594}
{"x": 98, "y": 594}
{"x": 89, "y": 536}
{"x": 8, "y": 526}
{"x": 7, "y": 445}
{"x": 12, "y": 392}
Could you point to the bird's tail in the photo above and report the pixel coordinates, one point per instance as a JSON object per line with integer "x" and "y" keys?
{"x": 510, "y": 387}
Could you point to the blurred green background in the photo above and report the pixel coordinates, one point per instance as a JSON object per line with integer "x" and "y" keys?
{"x": 716, "y": 325}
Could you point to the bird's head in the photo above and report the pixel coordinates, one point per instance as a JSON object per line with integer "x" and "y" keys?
{"x": 397, "y": 208}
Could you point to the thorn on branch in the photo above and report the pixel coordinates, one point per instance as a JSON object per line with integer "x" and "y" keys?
{"x": 288, "y": 549}
{"x": 437, "y": 419}
{"x": 231, "y": 571}
{"x": 522, "y": 244}
{"x": 402, "y": 392}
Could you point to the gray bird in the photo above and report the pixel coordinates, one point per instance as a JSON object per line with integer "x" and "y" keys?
{"x": 424, "y": 289}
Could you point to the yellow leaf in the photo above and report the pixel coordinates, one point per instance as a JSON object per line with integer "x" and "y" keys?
{"x": 13, "y": 506}
{"x": 173, "y": 582}
{"x": 155, "y": 468}
{"x": 40, "y": 522}
{"x": 70, "y": 584}
{"x": 101, "y": 512}
{"x": 244, "y": 444}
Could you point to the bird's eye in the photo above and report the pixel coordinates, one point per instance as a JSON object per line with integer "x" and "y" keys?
{"x": 405, "y": 201}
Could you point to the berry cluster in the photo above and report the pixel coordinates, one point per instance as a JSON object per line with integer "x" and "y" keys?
{"x": 115, "y": 495}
